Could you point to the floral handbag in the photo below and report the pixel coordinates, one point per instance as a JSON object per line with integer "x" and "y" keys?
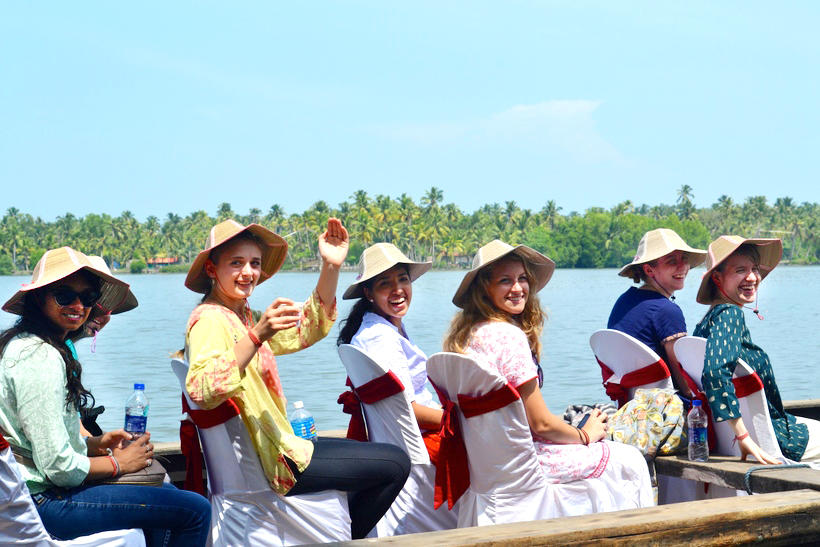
{"x": 654, "y": 422}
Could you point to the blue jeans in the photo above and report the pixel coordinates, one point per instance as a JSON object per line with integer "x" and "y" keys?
{"x": 168, "y": 516}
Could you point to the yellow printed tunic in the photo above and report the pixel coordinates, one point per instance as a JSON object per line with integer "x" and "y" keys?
{"x": 214, "y": 377}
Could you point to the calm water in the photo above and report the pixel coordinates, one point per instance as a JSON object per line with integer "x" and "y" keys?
{"x": 134, "y": 347}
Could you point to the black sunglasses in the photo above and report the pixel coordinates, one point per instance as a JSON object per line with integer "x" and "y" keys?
{"x": 65, "y": 296}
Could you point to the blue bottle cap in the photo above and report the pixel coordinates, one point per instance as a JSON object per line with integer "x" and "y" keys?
{"x": 696, "y": 402}
{"x": 139, "y": 386}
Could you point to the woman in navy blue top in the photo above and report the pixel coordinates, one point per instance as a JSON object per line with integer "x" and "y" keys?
{"x": 647, "y": 312}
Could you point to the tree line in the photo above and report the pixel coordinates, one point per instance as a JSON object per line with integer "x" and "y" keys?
{"x": 428, "y": 230}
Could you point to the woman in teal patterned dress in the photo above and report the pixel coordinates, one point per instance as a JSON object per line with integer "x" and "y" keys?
{"x": 734, "y": 269}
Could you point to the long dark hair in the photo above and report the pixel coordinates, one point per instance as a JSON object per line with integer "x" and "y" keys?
{"x": 350, "y": 325}
{"x": 34, "y": 321}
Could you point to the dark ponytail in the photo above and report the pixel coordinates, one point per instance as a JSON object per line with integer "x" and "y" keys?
{"x": 350, "y": 326}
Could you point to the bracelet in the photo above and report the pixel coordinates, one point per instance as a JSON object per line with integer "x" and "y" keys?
{"x": 586, "y": 437}
{"x": 255, "y": 339}
{"x": 116, "y": 465}
{"x": 739, "y": 438}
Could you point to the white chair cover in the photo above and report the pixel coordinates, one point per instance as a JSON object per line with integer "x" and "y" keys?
{"x": 506, "y": 480}
{"x": 392, "y": 420}
{"x": 244, "y": 509}
{"x": 623, "y": 353}
{"x": 20, "y": 523}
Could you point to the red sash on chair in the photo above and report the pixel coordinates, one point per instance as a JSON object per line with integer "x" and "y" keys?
{"x": 3, "y": 443}
{"x": 373, "y": 391}
{"x": 651, "y": 373}
{"x": 189, "y": 440}
{"x": 746, "y": 385}
{"x": 452, "y": 472}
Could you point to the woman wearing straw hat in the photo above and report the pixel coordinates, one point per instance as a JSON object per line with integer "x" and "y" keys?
{"x": 231, "y": 350}
{"x": 41, "y": 391}
{"x": 647, "y": 313}
{"x": 384, "y": 289}
{"x": 734, "y": 269}
{"x": 500, "y": 322}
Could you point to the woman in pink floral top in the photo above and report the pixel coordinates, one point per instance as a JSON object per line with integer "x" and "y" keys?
{"x": 501, "y": 323}
{"x": 231, "y": 350}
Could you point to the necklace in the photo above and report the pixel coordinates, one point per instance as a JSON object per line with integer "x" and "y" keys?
{"x": 246, "y": 321}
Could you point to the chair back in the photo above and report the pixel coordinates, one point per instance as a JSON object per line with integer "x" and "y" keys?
{"x": 623, "y": 354}
{"x": 230, "y": 457}
{"x": 392, "y": 419}
{"x": 690, "y": 351}
{"x": 500, "y": 452}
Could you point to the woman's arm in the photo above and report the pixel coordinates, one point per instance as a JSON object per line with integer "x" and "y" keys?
{"x": 333, "y": 245}
{"x": 676, "y": 370}
{"x": 427, "y": 418}
{"x": 747, "y": 446}
{"x": 548, "y": 426}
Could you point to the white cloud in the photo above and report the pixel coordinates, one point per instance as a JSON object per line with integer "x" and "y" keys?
{"x": 566, "y": 127}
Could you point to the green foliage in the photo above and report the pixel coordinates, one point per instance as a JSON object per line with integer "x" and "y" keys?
{"x": 428, "y": 230}
{"x": 138, "y": 266}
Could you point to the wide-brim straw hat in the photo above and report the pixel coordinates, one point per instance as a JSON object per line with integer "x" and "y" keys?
{"x": 130, "y": 301}
{"x": 379, "y": 258}
{"x": 57, "y": 264}
{"x": 770, "y": 249}
{"x": 658, "y": 243}
{"x": 541, "y": 266}
{"x": 274, "y": 251}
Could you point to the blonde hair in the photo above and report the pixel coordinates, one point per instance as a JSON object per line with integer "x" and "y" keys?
{"x": 478, "y": 308}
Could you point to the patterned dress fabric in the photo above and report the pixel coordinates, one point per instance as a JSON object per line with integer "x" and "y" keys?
{"x": 728, "y": 340}
{"x": 214, "y": 377}
{"x": 504, "y": 347}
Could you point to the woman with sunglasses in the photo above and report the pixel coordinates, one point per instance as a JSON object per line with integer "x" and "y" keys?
{"x": 232, "y": 351}
{"x": 41, "y": 394}
{"x": 500, "y": 323}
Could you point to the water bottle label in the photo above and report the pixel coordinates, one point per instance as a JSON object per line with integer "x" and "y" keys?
{"x": 305, "y": 429}
{"x": 135, "y": 423}
{"x": 697, "y": 435}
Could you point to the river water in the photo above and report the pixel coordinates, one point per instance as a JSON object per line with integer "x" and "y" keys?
{"x": 135, "y": 346}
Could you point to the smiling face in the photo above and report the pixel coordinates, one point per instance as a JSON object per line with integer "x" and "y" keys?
{"x": 738, "y": 279}
{"x": 72, "y": 315}
{"x": 390, "y": 294}
{"x": 670, "y": 271}
{"x": 508, "y": 286}
{"x": 236, "y": 272}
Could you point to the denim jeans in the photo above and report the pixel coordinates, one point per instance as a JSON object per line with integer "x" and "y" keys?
{"x": 373, "y": 474}
{"x": 168, "y": 516}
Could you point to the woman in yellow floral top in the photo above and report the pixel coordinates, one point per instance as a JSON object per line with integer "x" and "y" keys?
{"x": 231, "y": 350}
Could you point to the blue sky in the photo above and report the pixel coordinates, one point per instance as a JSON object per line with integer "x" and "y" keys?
{"x": 164, "y": 107}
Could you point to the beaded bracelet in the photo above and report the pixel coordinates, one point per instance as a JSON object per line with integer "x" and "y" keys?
{"x": 116, "y": 465}
{"x": 255, "y": 339}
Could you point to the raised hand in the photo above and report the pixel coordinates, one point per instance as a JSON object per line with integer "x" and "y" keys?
{"x": 334, "y": 243}
{"x": 282, "y": 314}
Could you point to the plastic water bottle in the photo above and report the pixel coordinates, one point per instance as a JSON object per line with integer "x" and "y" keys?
{"x": 136, "y": 411}
{"x": 302, "y": 422}
{"x": 698, "y": 438}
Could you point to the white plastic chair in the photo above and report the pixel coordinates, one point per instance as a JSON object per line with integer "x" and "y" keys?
{"x": 392, "y": 420}
{"x": 624, "y": 354}
{"x": 20, "y": 523}
{"x": 244, "y": 509}
{"x": 507, "y": 483}
{"x": 754, "y": 408}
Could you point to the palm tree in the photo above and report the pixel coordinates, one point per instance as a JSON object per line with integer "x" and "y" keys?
{"x": 431, "y": 199}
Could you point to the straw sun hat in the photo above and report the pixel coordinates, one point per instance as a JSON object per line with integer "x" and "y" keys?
{"x": 770, "y": 249}
{"x": 542, "y": 267}
{"x": 659, "y": 243}
{"x": 274, "y": 251}
{"x": 379, "y": 258}
{"x": 130, "y": 301}
{"x": 57, "y": 264}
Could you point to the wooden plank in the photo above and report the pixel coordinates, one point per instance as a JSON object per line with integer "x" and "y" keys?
{"x": 729, "y": 471}
{"x": 791, "y": 518}
{"x": 807, "y": 408}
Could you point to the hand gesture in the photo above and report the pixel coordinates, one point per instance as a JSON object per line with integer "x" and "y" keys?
{"x": 282, "y": 314}
{"x": 596, "y": 425}
{"x": 137, "y": 455}
{"x": 750, "y": 448}
{"x": 334, "y": 242}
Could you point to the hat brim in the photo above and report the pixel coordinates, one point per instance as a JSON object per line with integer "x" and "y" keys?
{"x": 541, "y": 265}
{"x": 696, "y": 258}
{"x": 274, "y": 252}
{"x": 770, "y": 249}
{"x": 414, "y": 270}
